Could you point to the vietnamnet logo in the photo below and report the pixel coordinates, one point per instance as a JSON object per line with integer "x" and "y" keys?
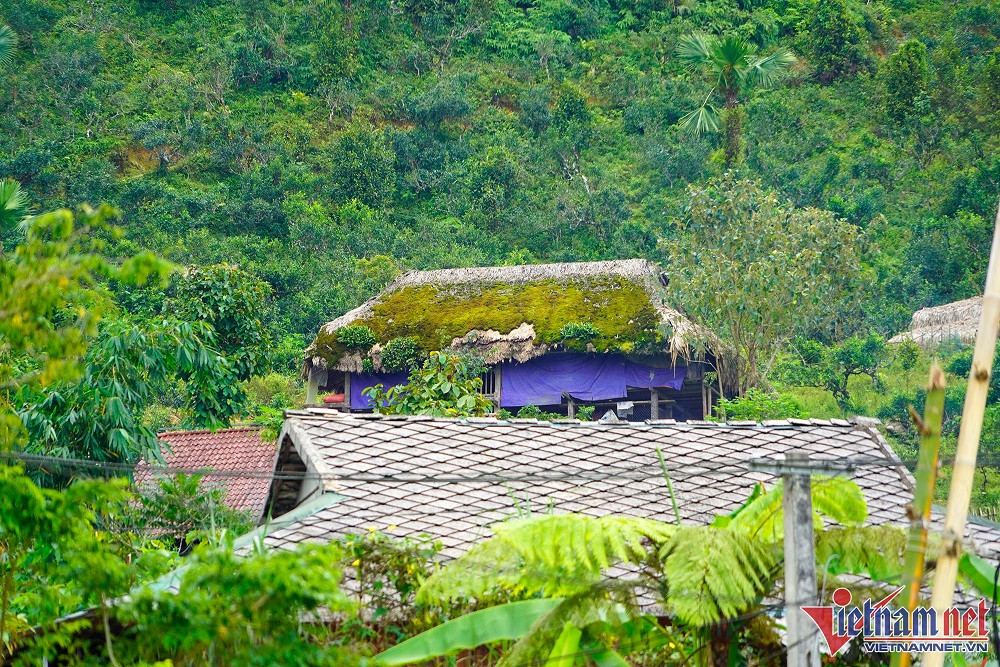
{"x": 886, "y": 629}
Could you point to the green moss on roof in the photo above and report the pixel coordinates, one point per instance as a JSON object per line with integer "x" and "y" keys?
{"x": 620, "y": 309}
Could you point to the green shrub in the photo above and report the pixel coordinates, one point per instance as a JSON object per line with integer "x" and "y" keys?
{"x": 442, "y": 387}
{"x": 400, "y": 353}
{"x": 909, "y": 353}
{"x": 535, "y": 412}
{"x": 274, "y": 390}
{"x": 356, "y": 336}
{"x": 579, "y": 331}
{"x": 758, "y": 406}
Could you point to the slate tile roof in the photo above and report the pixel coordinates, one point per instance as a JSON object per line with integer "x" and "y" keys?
{"x": 243, "y": 460}
{"x": 450, "y": 479}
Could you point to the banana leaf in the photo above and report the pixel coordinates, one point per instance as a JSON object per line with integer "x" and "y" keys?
{"x": 981, "y": 573}
{"x": 567, "y": 647}
{"x": 506, "y": 621}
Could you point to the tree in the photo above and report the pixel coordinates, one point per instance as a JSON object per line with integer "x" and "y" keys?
{"x": 905, "y": 79}
{"x": 51, "y": 553}
{"x": 50, "y": 304}
{"x": 733, "y": 65}
{"x": 835, "y": 38}
{"x": 441, "y": 387}
{"x": 234, "y": 303}
{"x": 760, "y": 271}
{"x": 55, "y": 558}
{"x": 361, "y": 167}
{"x": 98, "y": 416}
{"x": 831, "y": 367}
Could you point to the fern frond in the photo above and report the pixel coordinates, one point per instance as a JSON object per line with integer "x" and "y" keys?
{"x": 557, "y": 554}
{"x": 492, "y": 567}
{"x": 574, "y": 541}
{"x": 608, "y": 603}
{"x": 873, "y": 550}
{"x": 714, "y": 573}
{"x": 839, "y": 500}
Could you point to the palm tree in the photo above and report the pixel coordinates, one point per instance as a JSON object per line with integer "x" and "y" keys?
{"x": 8, "y": 42}
{"x": 732, "y": 64}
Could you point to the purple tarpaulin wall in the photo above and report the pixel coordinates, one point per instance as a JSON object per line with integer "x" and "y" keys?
{"x": 361, "y": 381}
{"x": 542, "y": 381}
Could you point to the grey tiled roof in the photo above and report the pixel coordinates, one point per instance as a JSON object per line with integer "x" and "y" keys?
{"x": 450, "y": 479}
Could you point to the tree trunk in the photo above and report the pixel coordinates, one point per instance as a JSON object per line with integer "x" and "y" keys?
{"x": 733, "y": 123}
{"x": 719, "y": 644}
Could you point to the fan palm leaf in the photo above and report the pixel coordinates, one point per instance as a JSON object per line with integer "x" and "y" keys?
{"x": 765, "y": 72}
{"x": 729, "y": 60}
{"x": 703, "y": 119}
{"x": 13, "y": 203}
{"x": 695, "y": 49}
{"x": 8, "y": 44}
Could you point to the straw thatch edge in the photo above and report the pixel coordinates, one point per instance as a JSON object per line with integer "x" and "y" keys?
{"x": 956, "y": 321}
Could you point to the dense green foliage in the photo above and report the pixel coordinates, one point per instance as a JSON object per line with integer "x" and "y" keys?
{"x": 99, "y": 416}
{"x": 230, "y": 608}
{"x": 306, "y": 152}
{"x": 758, "y": 405}
{"x": 297, "y": 140}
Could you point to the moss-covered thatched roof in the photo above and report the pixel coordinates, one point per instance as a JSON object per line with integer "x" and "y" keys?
{"x": 515, "y": 312}
{"x": 956, "y": 321}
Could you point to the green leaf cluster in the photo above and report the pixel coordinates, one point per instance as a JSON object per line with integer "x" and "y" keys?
{"x": 401, "y": 353}
{"x": 356, "y": 337}
{"x": 441, "y": 387}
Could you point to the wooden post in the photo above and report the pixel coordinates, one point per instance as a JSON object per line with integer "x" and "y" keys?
{"x": 800, "y": 563}
{"x": 347, "y": 391}
{"x": 654, "y": 404}
{"x": 923, "y": 492}
{"x": 312, "y": 387}
{"x": 570, "y": 406}
{"x": 964, "y": 468}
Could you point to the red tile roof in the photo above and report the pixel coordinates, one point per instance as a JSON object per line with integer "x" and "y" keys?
{"x": 231, "y": 450}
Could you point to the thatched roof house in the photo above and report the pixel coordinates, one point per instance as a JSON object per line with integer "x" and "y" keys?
{"x": 957, "y": 321}
{"x": 512, "y": 315}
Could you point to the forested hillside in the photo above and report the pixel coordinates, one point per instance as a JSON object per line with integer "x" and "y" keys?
{"x": 326, "y": 145}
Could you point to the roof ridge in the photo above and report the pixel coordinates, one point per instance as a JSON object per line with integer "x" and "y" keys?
{"x": 318, "y": 412}
{"x": 204, "y": 431}
{"x": 472, "y": 274}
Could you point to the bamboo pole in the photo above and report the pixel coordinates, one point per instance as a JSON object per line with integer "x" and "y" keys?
{"x": 964, "y": 468}
{"x": 923, "y": 492}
